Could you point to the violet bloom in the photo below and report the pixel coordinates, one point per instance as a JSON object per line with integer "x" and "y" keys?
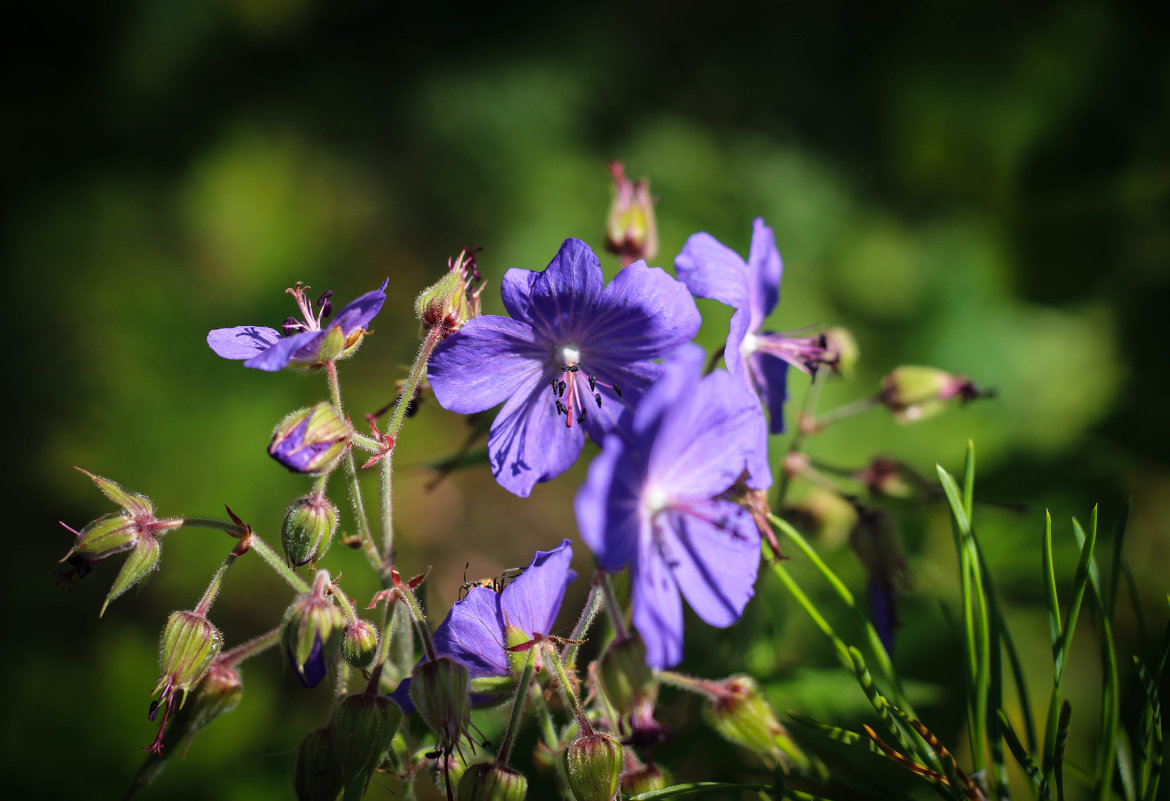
{"x": 307, "y": 343}
{"x": 710, "y": 269}
{"x": 573, "y": 354}
{"x": 653, "y": 501}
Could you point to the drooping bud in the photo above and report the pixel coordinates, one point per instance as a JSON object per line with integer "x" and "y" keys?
{"x": 359, "y": 644}
{"x": 643, "y": 779}
{"x": 915, "y": 393}
{"x": 630, "y": 231}
{"x": 311, "y": 440}
{"x": 624, "y": 676}
{"x": 593, "y": 765}
{"x": 842, "y": 345}
{"x": 190, "y": 643}
{"x": 311, "y": 632}
{"x": 309, "y": 523}
{"x": 317, "y": 771}
{"x": 487, "y": 781}
{"x": 451, "y": 301}
{"x": 363, "y": 726}
{"x": 219, "y": 693}
{"x": 739, "y": 711}
{"x": 441, "y": 692}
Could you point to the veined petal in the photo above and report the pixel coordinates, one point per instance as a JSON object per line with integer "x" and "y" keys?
{"x": 529, "y": 442}
{"x": 566, "y": 293}
{"x": 485, "y": 363}
{"x": 531, "y": 601}
{"x": 607, "y": 506}
{"x": 473, "y": 634}
{"x": 715, "y": 549}
{"x": 243, "y": 341}
{"x": 710, "y": 269}
{"x": 644, "y": 314}
{"x": 737, "y": 332}
{"x": 657, "y": 608}
{"x": 516, "y": 292}
{"x": 359, "y": 312}
{"x": 764, "y": 268}
{"x": 770, "y": 376}
{"x": 681, "y": 371}
{"x": 280, "y": 354}
{"x": 632, "y": 377}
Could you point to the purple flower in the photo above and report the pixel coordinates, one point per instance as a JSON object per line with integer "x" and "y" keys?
{"x": 307, "y": 343}
{"x": 573, "y": 354}
{"x": 652, "y": 500}
{"x": 710, "y": 269}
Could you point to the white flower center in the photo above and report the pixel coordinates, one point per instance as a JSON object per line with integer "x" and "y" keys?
{"x": 654, "y": 499}
{"x": 569, "y": 354}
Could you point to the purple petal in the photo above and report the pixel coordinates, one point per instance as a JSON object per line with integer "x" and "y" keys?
{"x": 737, "y": 332}
{"x": 243, "y": 341}
{"x": 529, "y": 442}
{"x": 633, "y": 378}
{"x": 680, "y": 372}
{"x": 473, "y": 634}
{"x": 764, "y": 268}
{"x": 313, "y": 671}
{"x": 657, "y": 609}
{"x": 644, "y": 314}
{"x": 710, "y": 269}
{"x": 716, "y": 556}
{"x": 358, "y": 313}
{"x": 532, "y": 600}
{"x": 516, "y": 292}
{"x": 280, "y": 354}
{"x": 883, "y": 611}
{"x": 607, "y": 506}
{"x": 566, "y": 292}
{"x": 487, "y": 362}
{"x": 770, "y": 376}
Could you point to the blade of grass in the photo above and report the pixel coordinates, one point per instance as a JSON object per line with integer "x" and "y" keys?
{"x": 1029, "y": 767}
{"x": 1061, "y": 741}
{"x": 1151, "y": 736}
{"x": 882, "y": 706}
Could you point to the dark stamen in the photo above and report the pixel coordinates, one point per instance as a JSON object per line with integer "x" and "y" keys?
{"x": 617, "y": 390}
{"x": 597, "y": 397}
{"x": 325, "y": 304}
{"x": 553, "y": 383}
{"x": 570, "y": 368}
{"x": 561, "y": 408}
{"x": 561, "y": 389}
{"x": 592, "y": 382}
{"x": 581, "y": 417}
{"x": 291, "y": 326}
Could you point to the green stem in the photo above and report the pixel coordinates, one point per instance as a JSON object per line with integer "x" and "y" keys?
{"x": 351, "y": 476}
{"x": 548, "y": 727}
{"x": 509, "y": 738}
{"x": 213, "y": 588}
{"x": 249, "y": 649}
{"x": 258, "y": 545}
{"x": 611, "y": 604}
{"x": 550, "y": 654}
{"x": 592, "y": 607}
{"x": 346, "y": 603}
{"x": 420, "y": 621}
{"x": 806, "y": 409}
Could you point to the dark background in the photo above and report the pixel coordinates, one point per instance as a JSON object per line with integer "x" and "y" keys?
{"x": 979, "y": 186}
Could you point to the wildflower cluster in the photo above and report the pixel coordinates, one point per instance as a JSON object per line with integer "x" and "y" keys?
{"x": 676, "y": 504}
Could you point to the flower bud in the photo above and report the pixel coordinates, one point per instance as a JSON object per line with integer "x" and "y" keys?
{"x": 624, "y": 676}
{"x": 487, "y": 781}
{"x": 363, "y": 726}
{"x": 311, "y": 440}
{"x": 359, "y": 644}
{"x": 450, "y": 302}
{"x": 317, "y": 772}
{"x": 593, "y": 765}
{"x": 190, "y": 643}
{"x": 309, "y": 523}
{"x": 842, "y": 346}
{"x": 741, "y": 713}
{"x": 311, "y": 632}
{"x": 915, "y": 393}
{"x": 219, "y": 693}
{"x": 441, "y": 692}
{"x": 630, "y": 231}
{"x": 643, "y": 779}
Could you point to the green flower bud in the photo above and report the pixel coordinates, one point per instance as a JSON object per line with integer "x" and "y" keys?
{"x": 363, "y": 726}
{"x": 190, "y": 643}
{"x": 487, "y": 781}
{"x": 624, "y": 676}
{"x": 741, "y": 713}
{"x": 450, "y": 302}
{"x": 219, "y": 693}
{"x": 643, "y": 779}
{"x": 311, "y": 440}
{"x": 317, "y": 772}
{"x": 309, "y": 523}
{"x": 333, "y": 345}
{"x": 593, "y": 765}
{"x": 915, "y": 393}
{"x": 441, "y": 691}
{"x": 514, "y": 636}
{"x": 359, "y": 644}
{"x": 631, "y": 231}
{"x": 311, "y": 632}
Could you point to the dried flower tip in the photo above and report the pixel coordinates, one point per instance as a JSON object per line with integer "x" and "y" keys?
{"x": 630, "y": 231}
{"x": 309, "y": 523}
{"x": 359, "y": 644}
{"x": 363, "y": 726}
{"x": 915, "y": 393}
{"x": 311, "y": 632}
{"x": 311, "y": 440}
{"x": 317, "y": 772}
{"x": 452, "y": 300}
{"x": 487, "y": 781}
{"x": 593, "y": 766}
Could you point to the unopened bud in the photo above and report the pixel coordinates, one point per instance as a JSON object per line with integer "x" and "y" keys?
{"x": 593, "y": 765}
{"x": 311, "y": 632}
{"x": 643, "y": 779}
{"x": 915, "y": 393}
{"x": 624, "y": 676}
{"x": 441, "y": 692}
{"x": 487, "y": 781}
{"x": 630, "y": 231}
{"x": 363, "y": 726}
{"x": 451, "y": 301}
{"x": 740, "y": 712}
{"x": 311, "y": 440}
{"x": 359, "y": 644}
{"x": 317, "y": 772}
{"x": 842, "y": 346}
{"x": 309, "y": 523}
{"x": 219, "y": 693}
{"x": 190, "y": 643}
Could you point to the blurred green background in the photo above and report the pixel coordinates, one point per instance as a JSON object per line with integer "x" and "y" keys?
{"x": 984, "y": 187}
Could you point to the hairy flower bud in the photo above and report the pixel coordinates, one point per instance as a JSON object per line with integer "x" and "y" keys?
{"x": 451, "y": 301}
{"x": 441, "y": 692}
{"x": 219, "y": 693}
{"x": 317, "y": 772}
{"x": 593, "y": 765}
{"x": 190, "y": 643}
{"x": 487, "y": 781}
{"x": 363, "y": 726}
{"x": 311, "y": 440}
{"x": 643, "y": 779}
{"x": 624, "y": 676}
{"x": 309, "y": 523}
{"x": 915, "y": 393}
{"x": 630, "y": 231}
{"x": 359, "y": 644}
{"x": 739, "y": 711}
{"x": 311, "y": 632}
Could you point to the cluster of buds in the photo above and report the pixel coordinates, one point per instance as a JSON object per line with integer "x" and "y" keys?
{"x": 311, "y": 440}
{"x": 447, "y": 305}
{"x": 135, "y": 529}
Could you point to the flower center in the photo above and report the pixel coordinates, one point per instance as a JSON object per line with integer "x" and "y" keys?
{"x": 654, "y": 499}
{"x": 574, "y": 384}
{"x": 806, "y": 354}
{"x": 311, "y": 317}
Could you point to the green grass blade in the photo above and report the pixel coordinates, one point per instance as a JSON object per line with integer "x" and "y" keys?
{"x": 882, "y": 706}
{"x": 969, "y": 482}
{"x": 703, "y": 788}
{"x": 1151, "y": 736}
{"x": 1061, "y": 741}
{"x": 1029, "y": 767}
{"x": 1055, "y": 630}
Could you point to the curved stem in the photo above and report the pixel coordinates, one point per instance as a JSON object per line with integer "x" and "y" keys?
{"x": 517, "y": 709}
{"x": 592, "y": 607}
{"x": 550, "y": 653}
{"x": 212, "y": 590}
{"x": 248, "y": 649}
{"x": 262, "y": 549}
{"x": 351, "y": 476}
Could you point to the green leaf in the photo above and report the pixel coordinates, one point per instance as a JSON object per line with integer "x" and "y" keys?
{"x": 1022, "y": 757}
